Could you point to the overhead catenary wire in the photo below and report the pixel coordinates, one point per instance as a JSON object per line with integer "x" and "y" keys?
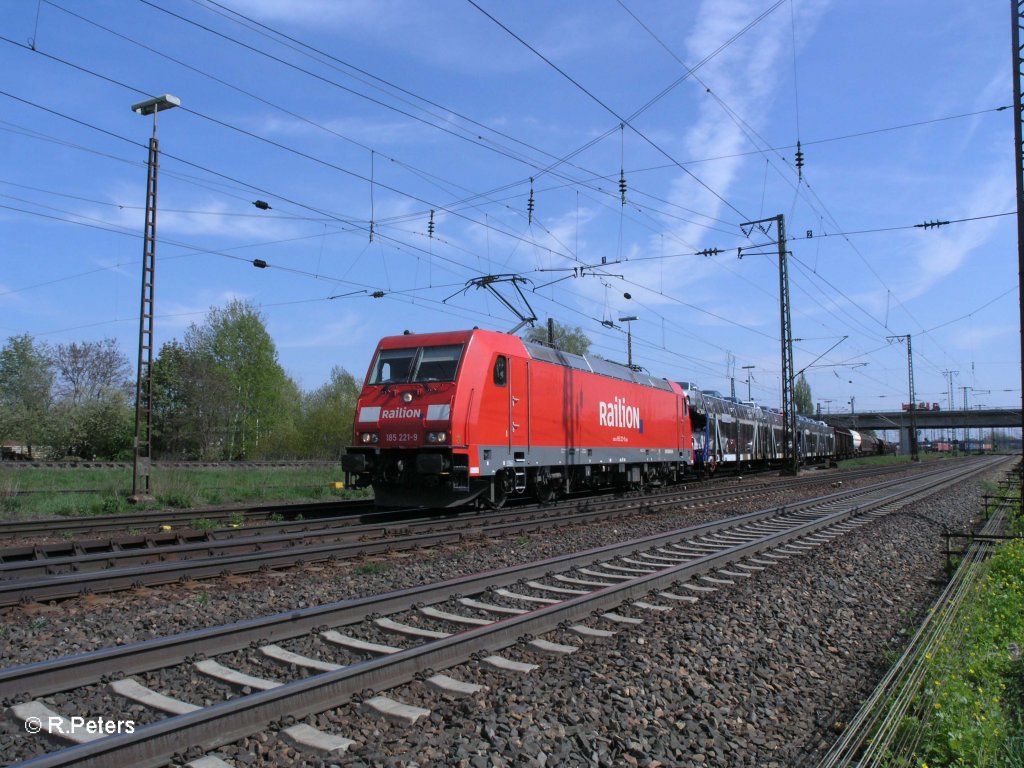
{"x": 350, "y": 222}
{"x": 449, "y": 208}
{"x": 799, "y": 155}
{"x": 409, "y": 235}
{"x": 751, "y": 133}
{"x": 445, "y": 128}
{"x": 611, "y": 111}
{"x": 392, "y": 159}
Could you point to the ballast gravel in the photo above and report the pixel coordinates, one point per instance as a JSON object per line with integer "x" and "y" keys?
{"x": 764, "y": 672}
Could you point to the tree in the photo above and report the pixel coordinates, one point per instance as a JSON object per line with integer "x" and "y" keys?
{"x": 567, "y": 339}
{"x": 189, "y": 404}
{"x": 802, "y": 400}
{"x": 91, "y": 370}
{"x": 328, "y": 414}
{"x": 234, "y": 353}
{"x": 285, "y": 440}
{"x": 100, "y": 428}
{"x": 26, "y": 390}
{"x": 93, "y": 415}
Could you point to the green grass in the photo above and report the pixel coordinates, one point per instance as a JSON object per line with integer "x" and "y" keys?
{"x": 369, "y": 569}
{"x": 887, "y": 460}
{"x": 47, "y": 492}
{"x": 975, "y": 680}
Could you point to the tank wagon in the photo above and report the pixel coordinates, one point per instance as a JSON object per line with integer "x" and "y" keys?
{"x": 851, "y": 444}
{"x": 448, "y": 418}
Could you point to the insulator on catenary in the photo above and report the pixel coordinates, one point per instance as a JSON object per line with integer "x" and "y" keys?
{"x": 932, "y": 224}
{"x": 799, "y": 161}
{"x": 430, "y": 225}
{"x": 622, "y": 186}
{"x": 529, "y": 205}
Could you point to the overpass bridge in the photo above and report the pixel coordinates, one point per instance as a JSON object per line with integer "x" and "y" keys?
{"x": 983, "y": 418}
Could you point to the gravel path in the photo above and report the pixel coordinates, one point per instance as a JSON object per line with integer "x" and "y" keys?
{"x": 761, "y": 673}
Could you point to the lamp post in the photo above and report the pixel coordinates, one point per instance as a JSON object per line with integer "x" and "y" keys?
{"x": 628, "y": 320}
{"x": 143, "y": 443}
{"x": 748, "y": 369}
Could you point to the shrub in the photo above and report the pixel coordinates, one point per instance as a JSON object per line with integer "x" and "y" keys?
{"x": 975, "y": 677}
{"x": 178, "y": 499}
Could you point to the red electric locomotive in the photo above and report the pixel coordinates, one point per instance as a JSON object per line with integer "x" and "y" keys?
{"x": 449, "y": 418}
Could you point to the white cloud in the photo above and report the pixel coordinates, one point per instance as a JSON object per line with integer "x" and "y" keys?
{"x": 946, "y": 251}
{"x": 966, "y": 336}
{"x": 349, "y": 330}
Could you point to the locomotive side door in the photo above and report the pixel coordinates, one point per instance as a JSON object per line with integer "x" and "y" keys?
{"x": 519, "y": 409}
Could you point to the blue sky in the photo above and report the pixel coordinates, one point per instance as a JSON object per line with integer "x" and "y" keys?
{"x": 343, "y": 114}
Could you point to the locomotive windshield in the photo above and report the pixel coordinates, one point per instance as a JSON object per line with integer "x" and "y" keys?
{"x": 416, "y": 364}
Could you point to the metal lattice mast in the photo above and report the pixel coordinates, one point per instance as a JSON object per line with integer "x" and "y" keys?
{"x": 790, "y": 455}
{"x": 1017, "y": 9}
{"x": 791, "y": 459}
{"x": 913, "y": 404}
{"x": 143, "y": 454}
{"x": 912, "y": 435}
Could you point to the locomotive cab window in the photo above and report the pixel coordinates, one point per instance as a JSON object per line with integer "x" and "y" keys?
{"x": 392, "y": 366}
{"x": 438, "y": 363}
{"x": 416, "y": 364}
{"x": 501, "y": 371}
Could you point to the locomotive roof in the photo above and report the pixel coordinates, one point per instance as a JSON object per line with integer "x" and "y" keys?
{"x": 593, "y": 364}
{"x": 409, "y": 339}
{"x": 589, "y": 363}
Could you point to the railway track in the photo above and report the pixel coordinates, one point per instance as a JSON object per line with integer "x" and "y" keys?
{"x": 222, "y": 521}
{"x": 155, "y": 523}
{"x": 60, "y": 571}
{"x": 480, "y": 620}
{"x": 878, "y": 733}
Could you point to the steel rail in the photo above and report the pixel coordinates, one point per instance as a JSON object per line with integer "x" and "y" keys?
{"x": 154, "y": 744}
{"x": 62, "y": 578}
{"x": 45, "y": 677}
{"x": 875, "y": 736}
{"x": 59, "y": 554}
{"x": 155, "y": 519}
{"x": 65, "y": 554}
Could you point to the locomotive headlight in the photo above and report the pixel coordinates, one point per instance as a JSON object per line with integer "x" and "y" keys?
{"x": 441, "y": 437}
{"x": 407, "y": 397}
{"x": 436, "y": 437}
{"x": 370, "y": 437}
{"x": 431, "y": 437}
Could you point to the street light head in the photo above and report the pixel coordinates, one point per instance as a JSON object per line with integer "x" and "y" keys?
{"x": 156, "y": 104}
